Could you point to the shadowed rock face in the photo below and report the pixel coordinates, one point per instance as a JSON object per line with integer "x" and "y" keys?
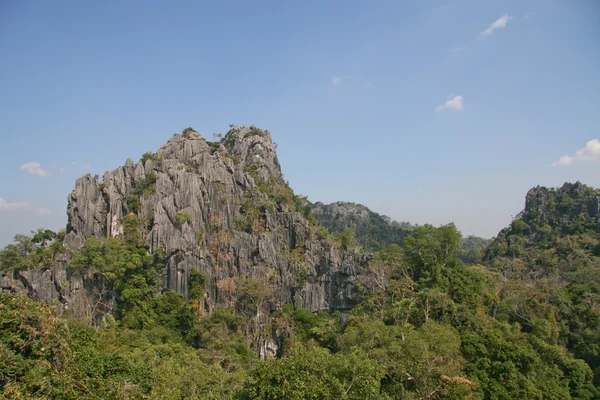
{"x": 190, "y": 197}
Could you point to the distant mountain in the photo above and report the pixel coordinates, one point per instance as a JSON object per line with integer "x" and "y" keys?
{"x": 373, "y": 231}
{"x": 556, "y": 233}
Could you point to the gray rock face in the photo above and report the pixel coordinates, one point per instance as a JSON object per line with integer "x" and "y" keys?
{"x": 83, "y": 295}
{"x": 190, "y": 198}
{"x": 373, "y": 231}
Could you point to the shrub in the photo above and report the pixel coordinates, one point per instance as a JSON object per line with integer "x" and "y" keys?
{"x": 183, "y": 217}
{"x": 187, "y": 132}
{"x": 133, "y": 203}
{"x": 146, "y": 186}
{"x": 131, "y": 226}
{"x": 254, "y": 132}
{"x": 151, "y": 156}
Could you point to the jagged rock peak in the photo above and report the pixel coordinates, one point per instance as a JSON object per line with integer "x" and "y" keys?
{"x": 570, "y": 199}
{"x": 249, "y": 145}
{"x": 549, "y": 213}
{"x": 243, "y": 155}
{"x": 221, "y": 208}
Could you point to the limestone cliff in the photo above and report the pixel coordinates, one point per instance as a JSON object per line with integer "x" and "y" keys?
{"x": 221, "y": 208}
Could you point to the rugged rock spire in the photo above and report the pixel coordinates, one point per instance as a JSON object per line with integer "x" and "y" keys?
{"x": 221, "y": 208}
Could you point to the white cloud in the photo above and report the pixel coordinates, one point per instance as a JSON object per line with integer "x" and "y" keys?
{"x": 500, "y": 23}
{"x": 34, "y": 168}
{"x": 591, "y": 152}
{"x": 455, "y": 103}
{"x": 19, "y": 205}
{"x": 336, "y": 80}
{"x": 43, "y": 211}
{"x": 564, "y": 160}
{"x": 458, "y": 49}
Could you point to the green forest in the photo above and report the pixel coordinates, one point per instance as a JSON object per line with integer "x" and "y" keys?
{"x": 441, "y": 317}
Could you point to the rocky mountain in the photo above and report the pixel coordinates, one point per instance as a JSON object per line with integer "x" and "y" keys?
{"x": 558, "y": 230}
{"x": 220, "y": 208}
{"x": 373, "y": 231}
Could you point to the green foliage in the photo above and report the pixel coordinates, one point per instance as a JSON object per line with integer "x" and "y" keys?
{"x": 510, "y": 364}
{"x": 519, "y": 227}
{"x": 417, "y": 362}
{"x": 373, "y": 231}
{"x": 472, "y": 249}
{"x": 133, "y": 203}
{"x": 146, "y": 186}
{"x": 149, "y": 156}
{"x": 187, "y": 132}
{"x": 346, "y": 239}
{"x": 110, "y": 257}
{"x": 197, "y": 281}
{"x": 254, "y": 131}
{"x": 252, "y": 170}
{"x": 236, "y": 159}
{"x": 427, "y": 327}
{"x": 39, "y": 249}
{"x": 214, "y": 145}
{"x": 42, "y": 357}
{"x": 315, "y": 374}
{"x": 253, "y": 210}
{"x": 431, "y": 249}
{"x": 131, "y": 230}
{"x": 183, "y": 217}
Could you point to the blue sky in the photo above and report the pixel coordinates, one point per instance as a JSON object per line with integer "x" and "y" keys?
{"x": 428, "y": 111}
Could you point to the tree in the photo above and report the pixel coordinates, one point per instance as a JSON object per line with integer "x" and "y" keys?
{"x": 131, "y": 226}
{"x": 430, "y": 249}
{"x": 315, "y": 374}
{"x": 347, "y": 239}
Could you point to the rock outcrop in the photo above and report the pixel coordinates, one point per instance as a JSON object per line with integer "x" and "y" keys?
{"x": 221, "y": 208}
{"x": 551, "y": 216}
{"x": 373, "y": 231}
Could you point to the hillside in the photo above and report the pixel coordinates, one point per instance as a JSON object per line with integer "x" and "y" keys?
{"x": 557, "y": 234}
{"x": 373, "y": 231}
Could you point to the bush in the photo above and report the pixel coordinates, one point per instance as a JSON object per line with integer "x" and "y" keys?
{"x": 254, "y": 131}
{"x": 133, "y": 203}
{"x": 183, "y": 217}
{"x": 146, "y": 186}
{"x": 520, "y": 227}
{"x": 150, "y": 156}
{"x": 187, "y": 132}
